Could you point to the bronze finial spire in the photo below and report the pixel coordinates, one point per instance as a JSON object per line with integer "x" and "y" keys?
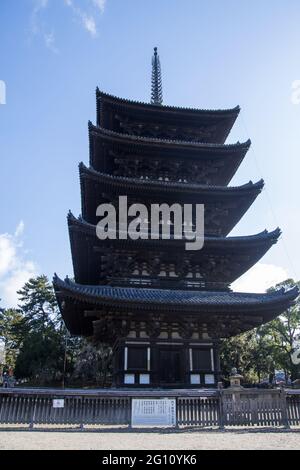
{"x": 156, "y": 89}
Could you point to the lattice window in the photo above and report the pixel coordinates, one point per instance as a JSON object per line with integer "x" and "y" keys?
{"x": 137, "y": 358}
{"x": 201, "y": 359}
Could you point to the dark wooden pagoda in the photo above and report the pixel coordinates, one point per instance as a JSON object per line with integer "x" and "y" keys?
{"x": 162, "y": 308}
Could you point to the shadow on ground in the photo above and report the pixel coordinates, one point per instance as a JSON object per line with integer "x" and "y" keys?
{"x": 128, "y": 430}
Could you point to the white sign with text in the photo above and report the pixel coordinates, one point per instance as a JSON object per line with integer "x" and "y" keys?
{"x": 58, "y": 403}
{"x": 153, "y": 412}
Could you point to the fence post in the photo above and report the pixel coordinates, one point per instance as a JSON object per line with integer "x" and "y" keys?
{"x": 82, "y": 414}
{"x": 31, "y": 424}
{"x": 284, "y": 412}
{"x": 130, "y": 413}
{"x": 221, "y": 409}
{"x": 177, "y": 412}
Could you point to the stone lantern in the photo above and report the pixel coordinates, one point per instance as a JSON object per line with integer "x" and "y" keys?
{"x": 235, "y": 379}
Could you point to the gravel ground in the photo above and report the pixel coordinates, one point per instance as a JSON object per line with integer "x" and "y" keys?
{"x": 73, "y": 439}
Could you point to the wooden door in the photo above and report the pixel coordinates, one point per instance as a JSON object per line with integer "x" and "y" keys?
{"x": 170, "y": 366}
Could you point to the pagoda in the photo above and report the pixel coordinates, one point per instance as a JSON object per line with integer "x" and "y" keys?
{"x": 164, "y": 309}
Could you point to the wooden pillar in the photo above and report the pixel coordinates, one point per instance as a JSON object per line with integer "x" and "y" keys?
{"x": 118, "y": 364}
{"x": 217, "y": 361}
{"x": 186, "y": 365}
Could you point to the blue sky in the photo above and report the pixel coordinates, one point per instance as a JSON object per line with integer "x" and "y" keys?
{"x": 214, "y": 54}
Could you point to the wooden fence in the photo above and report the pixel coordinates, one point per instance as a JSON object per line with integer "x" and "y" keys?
{"x": 253, "y": 408}
{"x": 293, "y": 407}
{"x": 201, "y": 408}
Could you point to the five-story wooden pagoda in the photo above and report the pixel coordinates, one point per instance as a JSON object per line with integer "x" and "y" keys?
{"x": 164, "y": 309}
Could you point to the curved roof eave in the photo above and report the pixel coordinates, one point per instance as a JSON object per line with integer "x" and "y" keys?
{"x": 112, "y": 295}
{"x": 264, "y": 236}
{"x": 163, "y": 108}
{"x": 135, "y": 139}
{"x": 165, "y": 186}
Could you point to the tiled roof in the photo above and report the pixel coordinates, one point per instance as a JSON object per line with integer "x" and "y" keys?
{"x": 166, "y": 185}
{"x": 167, "y": 142}
{"x": 265, "y": 236}
{"x": 100, "y": 294}
{"x": 121, "y": 101}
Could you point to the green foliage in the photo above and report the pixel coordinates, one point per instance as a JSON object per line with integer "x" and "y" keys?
{"x": 93, "y": 364}
{"x": 38, "y": 304}
{"x": 38, "y": 346}
{"x": 282, "y": 333}
{"x": 11, "y": 334}
{"x": 251, "y": 353}
{"x": 41, "y": 357}
{"x": 41, "y": 349}
{"x": 258, "y": 353}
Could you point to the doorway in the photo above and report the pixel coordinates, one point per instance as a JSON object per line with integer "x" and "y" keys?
{"x": 170, "y": 366}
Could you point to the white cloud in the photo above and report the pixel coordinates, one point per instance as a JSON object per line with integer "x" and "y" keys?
{"x": 39, "y": 5}
{"x": 20, "y": 229}
{"x": 90, "y": 24}
{"x": 100, "y": 4}
{"x": 87, "y": 18}
{"x": 7, "y": 253}
{"x": 49, "y": 39}
{"x": 15, "y": 281}
{"x": 260, "y": 278}
{"x": 38, "y": 28}
{"x": 15, "y": 269}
